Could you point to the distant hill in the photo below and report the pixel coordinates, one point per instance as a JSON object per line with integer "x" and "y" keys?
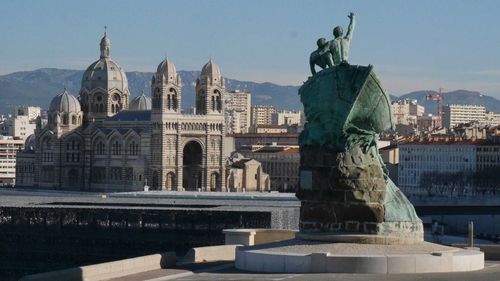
{"x": 39, "y": 86}
{"x": 454, "y": 97}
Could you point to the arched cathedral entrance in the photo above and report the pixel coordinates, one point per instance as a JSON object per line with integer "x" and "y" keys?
{"x": 192, "y": 176}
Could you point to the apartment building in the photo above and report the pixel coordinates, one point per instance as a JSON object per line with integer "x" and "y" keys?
{"x": 238, "y": 111}
{"x": 8, "y": 150}
{"x": 455, "y": 114}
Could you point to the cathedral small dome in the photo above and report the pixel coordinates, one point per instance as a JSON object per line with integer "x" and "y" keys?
{"x": 166, "y": 72}
{"x": 167, "y": 68}
{"x": 211, "y": 70}
{"x": 105, "y": 41}
{"x": 141, "y": 102}
{"x": 29, "y": 144}
{"x": 64, "y": 102}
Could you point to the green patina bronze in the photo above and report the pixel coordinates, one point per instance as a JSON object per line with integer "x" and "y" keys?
{"x": 333, "y": 52}
{"x": 344, "y": 183}
{"x": 344, "y": 105}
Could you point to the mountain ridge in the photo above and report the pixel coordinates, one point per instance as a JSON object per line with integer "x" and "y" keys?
{"x": 454, "y": 97}
{"x": 38, "y": 87}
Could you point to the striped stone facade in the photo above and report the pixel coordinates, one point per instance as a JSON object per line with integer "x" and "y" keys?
{"x": 117, "y": 148}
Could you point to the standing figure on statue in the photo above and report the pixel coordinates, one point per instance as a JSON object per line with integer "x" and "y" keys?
{"x": 339, "y": 47}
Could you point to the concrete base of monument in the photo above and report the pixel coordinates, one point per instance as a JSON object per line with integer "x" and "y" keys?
{"x": 361, "y": 238}
{"x": 388, "y": 233}
{"x": 299, "y": 256}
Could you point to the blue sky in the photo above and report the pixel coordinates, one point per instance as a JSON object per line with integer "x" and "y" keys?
{"x": 412, "y": 44}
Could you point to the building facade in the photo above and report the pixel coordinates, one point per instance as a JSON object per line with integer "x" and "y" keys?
{"x": 262, "y": 115}
{"x": 269, "y": 129}
{"x": 429, "y": 122}
{"x": 22, "y": 124}
{"x": 246, "y": 174}
{"x": 492, "y": 118}
{"x": 241, "y": 140}
{"x": 288, "y": 118}
{"x": 390, "y": 157}
{"x": 455, "y": 114}
{"x": 237, "y": 111}
{"x": 103, "y": 141}
{"x": 281, "y": 162}
{"x": 406, "y": 111}
{"x": 8, "y": 150}
{"x": 31, "y": 111}
{"x": 449, "y": 164}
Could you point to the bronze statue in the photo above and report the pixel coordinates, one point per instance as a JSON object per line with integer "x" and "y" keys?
{"x": 322, "y": 57}
{"x": 339, "y": 47}
{"x": 345, "y": 189}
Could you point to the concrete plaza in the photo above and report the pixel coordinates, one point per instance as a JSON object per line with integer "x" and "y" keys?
{"x": 226, "y": 272}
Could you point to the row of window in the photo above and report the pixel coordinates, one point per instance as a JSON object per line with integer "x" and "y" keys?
{"x": 73, "y": 157}
{"x": 47, "y": 157}
{"x": 116, "y": 148}
{"x": 172, "y": 100}
{"x": 433, "y": 158}
{"x": 25, "y": 167}
{"x": 488, "y": 149}
{"x": 215, "y": 102}
{"x": 114, "y": 174}
{"x": 73, "y": 145}
{"x": 65, "y": 119}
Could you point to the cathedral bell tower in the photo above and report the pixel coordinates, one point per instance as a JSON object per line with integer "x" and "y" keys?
{"x": 210, "y": 90}
{"x": 165, "y": 134}
{"x": 165, "y": 91}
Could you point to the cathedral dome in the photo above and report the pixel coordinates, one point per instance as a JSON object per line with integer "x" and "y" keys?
{"x": 141, "y": 102}
{"x": 65, "y": 102}
{"x": 211, "y": 70}
{"x": 105, "y": 73}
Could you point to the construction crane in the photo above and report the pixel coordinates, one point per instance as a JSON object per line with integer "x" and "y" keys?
{"x": 438, "y": 98}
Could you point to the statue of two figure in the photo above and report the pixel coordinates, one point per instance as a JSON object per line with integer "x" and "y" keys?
{"x": 335, "y": 52}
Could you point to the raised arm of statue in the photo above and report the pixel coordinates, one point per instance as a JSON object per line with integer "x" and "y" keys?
{"x": 350, "y": 29}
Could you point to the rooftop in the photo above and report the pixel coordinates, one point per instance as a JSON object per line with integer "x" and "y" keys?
{"x": 127, "y": 115}
{"x": 449, "y": 141}
{"x": 260, "y": 135}
{"x": 271, "y": 126}
{"x": 389, "y": 147}
{"x": 292, "y": 150}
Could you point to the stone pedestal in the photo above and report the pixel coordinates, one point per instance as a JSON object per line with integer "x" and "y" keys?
{"x": 346, "y": 196}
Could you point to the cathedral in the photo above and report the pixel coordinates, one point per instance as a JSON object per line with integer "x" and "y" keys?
{"x": 103, "y": 141}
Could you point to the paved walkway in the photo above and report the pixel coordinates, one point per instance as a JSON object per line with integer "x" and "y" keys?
{"x": 154, "y": 274}
{"x": 226, "y": 272}
{"x": 176, "y": 273}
